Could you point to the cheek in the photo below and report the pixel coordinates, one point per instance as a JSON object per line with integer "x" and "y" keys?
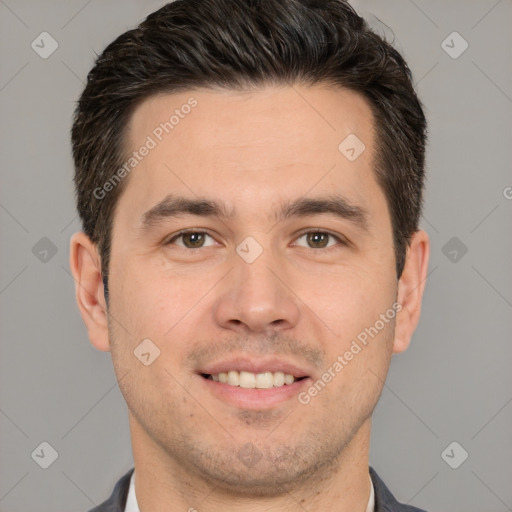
{"x": 358, "y": 356}
{"x": 349, "y": 299}
{"x": 149, "y": 300}
{"x": 358, "y": 353}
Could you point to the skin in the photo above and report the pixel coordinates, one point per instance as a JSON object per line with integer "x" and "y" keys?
{"x": 299, "y": 301}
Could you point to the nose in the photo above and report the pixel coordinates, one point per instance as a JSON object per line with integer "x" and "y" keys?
{"x": 256, "y": 297}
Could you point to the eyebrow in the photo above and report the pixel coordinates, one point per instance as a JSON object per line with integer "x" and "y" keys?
{"x": 173, "y": 206}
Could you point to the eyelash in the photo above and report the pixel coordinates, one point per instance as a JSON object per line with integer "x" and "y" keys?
{"x": 340, "y": 240}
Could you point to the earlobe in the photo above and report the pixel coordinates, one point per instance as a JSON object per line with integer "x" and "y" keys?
{"x": 410, "y": 290}
{"x": 85, "y": 266}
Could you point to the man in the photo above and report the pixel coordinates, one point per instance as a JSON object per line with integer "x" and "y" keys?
{"x": 249, "y": 177}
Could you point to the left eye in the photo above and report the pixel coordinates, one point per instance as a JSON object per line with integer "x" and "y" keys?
{"x": 319, "y": 239}
{"x": 191, "y": 239}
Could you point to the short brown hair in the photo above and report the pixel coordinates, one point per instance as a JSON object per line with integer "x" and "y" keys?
{"x": 239, "y": 44}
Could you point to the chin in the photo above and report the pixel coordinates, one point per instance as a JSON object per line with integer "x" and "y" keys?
{"x": 247, "y": 472}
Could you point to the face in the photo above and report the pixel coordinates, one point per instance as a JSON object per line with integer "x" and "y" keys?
{"x": 285, "y": 272}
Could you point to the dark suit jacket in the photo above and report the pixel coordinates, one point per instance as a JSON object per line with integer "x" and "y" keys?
{"x": 384, "y": 500}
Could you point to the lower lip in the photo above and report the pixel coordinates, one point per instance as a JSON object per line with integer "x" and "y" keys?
{"x": 254, "y": 399}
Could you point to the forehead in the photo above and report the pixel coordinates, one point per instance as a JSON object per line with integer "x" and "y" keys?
{"x": 246, "y": 148}
{"x": 277, "y": 116}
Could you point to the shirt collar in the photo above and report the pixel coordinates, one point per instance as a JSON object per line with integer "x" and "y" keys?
{"x": 131, "y": 500}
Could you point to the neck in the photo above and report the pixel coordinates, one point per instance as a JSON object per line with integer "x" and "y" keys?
{"x": 165, "y": 484}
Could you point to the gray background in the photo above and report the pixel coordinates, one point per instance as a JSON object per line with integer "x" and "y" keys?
{"x": 453, "y": 384}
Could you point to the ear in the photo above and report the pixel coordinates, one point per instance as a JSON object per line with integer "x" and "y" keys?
{"x": 410, "y": 290}
{"x": 85, "y": 264}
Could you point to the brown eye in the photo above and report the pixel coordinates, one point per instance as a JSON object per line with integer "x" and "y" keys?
{"x": 193, "y": 240}
{"x": 317, "y": 240}
{"x": 190, "y": 239}
{"x": 320, "y": 240}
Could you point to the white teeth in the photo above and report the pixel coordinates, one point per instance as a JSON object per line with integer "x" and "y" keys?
{"x": 250, "y": 380}
{"x": 264, "y": 380}
{"x": 288, "y": 379}
{"x": 247, "y": 380}
{"x": 278, "y": 379}
{"x": 233, "y": 378}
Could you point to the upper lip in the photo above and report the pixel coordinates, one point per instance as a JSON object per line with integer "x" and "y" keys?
{"x": 256, "y": 364}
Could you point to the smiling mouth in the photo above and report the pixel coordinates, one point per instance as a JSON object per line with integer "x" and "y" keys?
{"x": 248, "y": 380}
